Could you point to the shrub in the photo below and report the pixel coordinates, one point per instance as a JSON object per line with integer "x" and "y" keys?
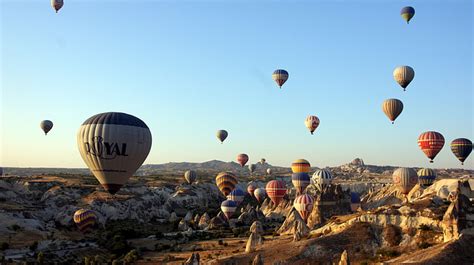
{"x": 40, "y": 258}
{"x": 4, "y": 246}
{"x": 34, "y": 246}
{"x": 424, "y": 227}
{"x": 393, "y": 235}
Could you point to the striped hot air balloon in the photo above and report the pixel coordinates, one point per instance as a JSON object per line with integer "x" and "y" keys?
{"x": 407, "y": 13}
{"x": 226, "y": 182}
{"x": 236, "y": 195}
{"x": 322, "y": 177}
{"x": 85, "y": 219}
{"x": 46, "y": 126}
{"x": 300, "y": 181}
{"x": 57, "y": 4}
{"x": 403, "y": 75}
{"x": 113, "y": 145}
{"x": 431, "y": 143}
{"x": 392, "y": 107}
{"x": 276, "y": 189}
{"x": 405, "y": 179}
{"x": 251, "y": 188}
{"x": 355, "y": 201}
{"x": 304, "y": 205}
{"x": 190, "y": 176}
{"x": 280, "y": 76}
{"x": 242, "y": 159}
{"x": 461, "y": 148}
{"x": 228, "y": 207}
{"x": 260, "y": 194}
{"x": 311, "y": 122}
{"x": 222, "y": 135}
{"x": 300, "y": 166}
{"x": 426, "y": 177}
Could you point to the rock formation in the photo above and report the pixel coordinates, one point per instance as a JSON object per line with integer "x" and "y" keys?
{"x": 294, "y": 223}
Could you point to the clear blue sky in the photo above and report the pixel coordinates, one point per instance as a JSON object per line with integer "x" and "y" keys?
{"x": 189, "y": 68}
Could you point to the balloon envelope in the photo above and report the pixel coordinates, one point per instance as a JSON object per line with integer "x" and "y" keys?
{"x": 252, "y": 168}
{"x": 260, "y": 194}
{"x": 280, "y": 76}
{"x": 300, "y": 165}
{"x": 85, "y": 219}
{"x": 405, "y": 179}
{"x": 431, "y": 143}
{"x": 236, "y": 195}
{"x": 226, "y": 182}
{"x": 221, "y": 135}
{"x": 404, "y": 75}
{"x": 300, "y": 181}
{"x": 392, "y": 108}
{"x": 269, "y": 171}
{"x": 311, "y": 122}
{"x": 322, "y": 177}
{"x": 46, "y": 126}
{"x": 276, "y": 189}
{"x": 262, "y": 161}
{"x": 355, "y": 201}
{"x": 426, "y": 177}
{"x": 242, "y": 159}
{"x": 190, "y": 176}
{"x": 304, "y": 205}
{"x": 113, "y": 145}
{"x": 251, "y": 188}
{"x": 407, "y": 13}
{"x": 57, "y": 4}
{"x": 461, "y": 148}
{"x": 228, "y": 207}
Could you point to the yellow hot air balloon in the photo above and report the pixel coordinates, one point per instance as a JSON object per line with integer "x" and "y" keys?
{"x": 404, "y": 75}
{"x": 392, "y": 107}
{"x": 113, "y": 145}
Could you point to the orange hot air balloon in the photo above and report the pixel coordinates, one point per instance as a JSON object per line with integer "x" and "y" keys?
{"x": 431, "y": 143}
{"x": 242, "y": 159}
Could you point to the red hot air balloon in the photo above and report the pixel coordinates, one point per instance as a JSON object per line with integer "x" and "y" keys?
{"x": 276, "y": 189}
{"x": 431, "y": 143}
{"x": 304, "y": 205}
{"x": 242, "y": 159}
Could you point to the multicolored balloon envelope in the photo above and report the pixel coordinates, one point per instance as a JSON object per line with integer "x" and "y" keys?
{"x": 46, "y": 126}
{"x": 226, "y": 182}
{"x": 260, "y": 194}
{"x": 276, "y": 189}
{"x": 322, "y": 177}
{"x": 57, "y": 4}
{"x": 221, "y": 135}
{"x": 431, "y": 143}
{"x": 242, "y": 159}
{"x": 85, "y": 219}
{"x": 405, "y": 179}
{"x": 228, "y": 207}
{"x": 280, "y": 76}
{"x": 426, "y": 177}
{"x": 355, "y": 201}
{"x": 407, "y": 13}
{"x": 311, "y": 122}
{"x": 190, "y": 176}
{"x": 300, "y": 181}
{"x": 304, "y": 205}
{"x": 113, "y": 145}
{"x": 461, "y": 148}
{"x": 236, "y": 195}
{"x": 404, "y": 75}
{"x": 251, "y": 188}
{"x": 392, "y": 107}
{"x": 300, "y": 166}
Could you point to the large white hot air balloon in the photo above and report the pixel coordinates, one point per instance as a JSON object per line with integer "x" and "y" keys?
{"x": 113, "y": 145}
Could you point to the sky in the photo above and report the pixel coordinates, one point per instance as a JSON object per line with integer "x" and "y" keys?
{"x": 190, "y": 68}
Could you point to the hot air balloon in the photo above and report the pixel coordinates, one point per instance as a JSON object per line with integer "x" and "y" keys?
{"x": 355, "y": 201}
{"x": 57, "y": 4}
{"x": 252, "y": 168}
{"x": 237, "y": 195}
{"x": 190, "y": 176}
{"x": 85, "y": 219}
{"x": 269, "y": 171}
{"x": 228, "y": 207}
{"x": 392, "y": 107}
{"x": 260, "y": 194}
{"x": 262, "y": 161}
{"x": 431, "y": 143}
{"x": 322, "y": 177}
{"x": 426, "y": 177}
{"x": 113, "y": 145}
{"x": 405, "y": 179}
{"x": 280, "y": 76}
{"x": 226, "y": 182}
{"x": 311, "y": 122}
{"x": 300, "y": 181}
{"x": 251, "y": 188}
{"x": 461, "y": 148}
{"x": 46, "y": 126}
{"x": 242, "y": 159}
{"x": 276, "y": 189}
{"x": 221, "y": 135}
{"x": 403, "y": 75}
{"x": 407, "y": 13}
{"x": 300, "y": 166}
{"x": 304, "y": 205}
